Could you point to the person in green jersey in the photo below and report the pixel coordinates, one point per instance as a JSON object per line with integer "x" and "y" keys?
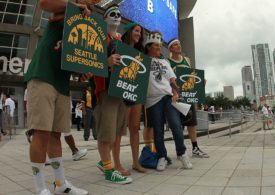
{"x": 178, "y": 60}
{"x": 48, "y": 100}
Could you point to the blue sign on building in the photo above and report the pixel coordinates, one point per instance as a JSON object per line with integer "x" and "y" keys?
{"x": 153, "y": 15}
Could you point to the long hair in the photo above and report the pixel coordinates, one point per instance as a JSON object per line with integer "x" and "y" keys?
{"x": 126, "y": 38}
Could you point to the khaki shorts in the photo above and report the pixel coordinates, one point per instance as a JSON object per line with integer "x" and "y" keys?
{"x": 110, "y": 116}
{"x": 48, "y": 110}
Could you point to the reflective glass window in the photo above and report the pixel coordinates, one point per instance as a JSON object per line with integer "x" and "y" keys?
{"x": 14, "y": 45}
{"x": 44, "y": 19}
{"x": 17, "y": 11}
{"x": 21, "y": 53}
{"x": 6, "y": 39}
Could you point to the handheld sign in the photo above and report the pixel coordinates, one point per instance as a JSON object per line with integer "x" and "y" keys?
{"x": 191, "y": 84}
{"x": 84, "y": 43}
{"x": 129, "y": 80}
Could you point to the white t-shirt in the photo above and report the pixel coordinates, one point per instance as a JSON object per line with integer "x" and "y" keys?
{"x": 1, "y": 100}
{"x": 26, "y": 98}
{"x": 212, "y": 109}
{"x": 159, "y": 81}
{"x": 265, "y": 111}
{"x": 26, "y": 95}
{"x": 78, "y": 111}
{"x": 9, "y": 102}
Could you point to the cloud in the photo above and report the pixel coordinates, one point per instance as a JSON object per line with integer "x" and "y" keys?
{"x": 224, "y": 33}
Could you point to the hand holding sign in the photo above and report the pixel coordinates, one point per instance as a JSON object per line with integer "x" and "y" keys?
{"x": 114, "y": 59}
{"x": 84, "y": 46}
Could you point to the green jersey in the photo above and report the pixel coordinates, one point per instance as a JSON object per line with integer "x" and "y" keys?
{"x": 182, "y": 63}
{"x": 46, "y": 61}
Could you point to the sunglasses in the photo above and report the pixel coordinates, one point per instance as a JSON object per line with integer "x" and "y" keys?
{"x": 115, "y": 14}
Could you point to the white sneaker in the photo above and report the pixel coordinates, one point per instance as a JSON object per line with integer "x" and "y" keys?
{"x": 68, "y": 188}
{"x": 80, "y": 153}
{"x": 197, "y": 152}
{"x": 45, "y": 192}
{"x": 161, "y": 164}
{"x": 186, "y": 164}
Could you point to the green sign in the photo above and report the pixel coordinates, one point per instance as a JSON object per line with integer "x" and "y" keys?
{"x": 191, "y": 84}
{"x": 129, "y": 80}
{"x": 84, "y": 43}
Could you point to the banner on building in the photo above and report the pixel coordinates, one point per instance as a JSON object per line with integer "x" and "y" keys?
{"x": 191, "y": 84}
{"x": 84, "y": 46}
{"x": 129, "y": 80}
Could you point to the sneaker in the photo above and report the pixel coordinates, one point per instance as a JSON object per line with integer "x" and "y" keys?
{"x": 45, "y": 192}
{"x": 79, "y": 154}
{"x": 161, "y": 164}
{"x": 68, "y": 188}
{"x": 29, "y": 134}
{"x": 114, "y": 176}
{"x": 196, "y": 152}
{"x": 99, "y": 165}
{"x": 186, "y": 164}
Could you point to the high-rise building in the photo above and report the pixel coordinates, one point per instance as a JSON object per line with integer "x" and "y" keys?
{"x": 228, "y": 91}
{"x": 263, "y": 71}
{"x": 248, "y": 84}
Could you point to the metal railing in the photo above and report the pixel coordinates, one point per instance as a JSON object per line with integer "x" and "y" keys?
{"x": 233, "y": 117}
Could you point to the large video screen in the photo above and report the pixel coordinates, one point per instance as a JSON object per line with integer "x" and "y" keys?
{"x": 153, "y": 15}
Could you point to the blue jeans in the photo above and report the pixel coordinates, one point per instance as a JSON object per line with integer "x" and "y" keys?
{"x": 159, "y": 113}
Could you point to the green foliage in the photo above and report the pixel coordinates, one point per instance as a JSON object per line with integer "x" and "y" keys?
{"x": 225, "y": 103}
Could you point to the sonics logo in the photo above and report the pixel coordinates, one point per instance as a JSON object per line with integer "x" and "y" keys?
{"x": 86, "y": 37}
{"x": 189, "y": 84}
{"x": 129, "y": 72}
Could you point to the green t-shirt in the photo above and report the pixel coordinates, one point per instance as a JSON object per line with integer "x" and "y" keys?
{"x": 46, "y": 61}
{"x": 182, "y": 63}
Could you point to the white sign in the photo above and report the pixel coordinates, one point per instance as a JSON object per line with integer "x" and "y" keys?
{"x": 14, "y": 66}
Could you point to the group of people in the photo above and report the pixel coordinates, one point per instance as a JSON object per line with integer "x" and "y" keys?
{"x": 49, "y": 103}
{"x": 7, "y": 108}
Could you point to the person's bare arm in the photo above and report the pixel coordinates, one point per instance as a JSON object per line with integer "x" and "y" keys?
{"x": 56, "y": 6}
{"x": 174, "y": 89}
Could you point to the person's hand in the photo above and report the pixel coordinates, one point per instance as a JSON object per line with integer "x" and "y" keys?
{"x": 90, "y": 3}
{"x": 86, "y": 76}
{"x": 86, "y": 11}
{"x": 175, "y": 97}
{"x": 114, "y": 59}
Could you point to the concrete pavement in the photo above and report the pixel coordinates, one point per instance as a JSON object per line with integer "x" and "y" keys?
{"x": 243, "y": 164}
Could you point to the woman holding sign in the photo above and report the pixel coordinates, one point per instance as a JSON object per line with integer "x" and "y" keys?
{"x": 162, "y": 91}
{"x": 133, "y": 36}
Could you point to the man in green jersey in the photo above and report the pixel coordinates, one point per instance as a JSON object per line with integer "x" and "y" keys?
{"x": 178, "y": 60}
{"x": 48, "y": 100}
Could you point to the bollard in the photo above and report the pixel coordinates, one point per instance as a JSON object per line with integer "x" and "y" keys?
{"x": 230, "y": 128}
{"x": 208, "y": 129}
{"x": 241, "y": 123}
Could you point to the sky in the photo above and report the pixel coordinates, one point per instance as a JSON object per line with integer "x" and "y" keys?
{"x": 224, "y": 31}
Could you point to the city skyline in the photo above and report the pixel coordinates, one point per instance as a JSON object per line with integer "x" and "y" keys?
{"x": 223, "y": 38}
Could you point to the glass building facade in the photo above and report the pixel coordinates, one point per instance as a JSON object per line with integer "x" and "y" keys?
{"x": 17, "y": 12}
